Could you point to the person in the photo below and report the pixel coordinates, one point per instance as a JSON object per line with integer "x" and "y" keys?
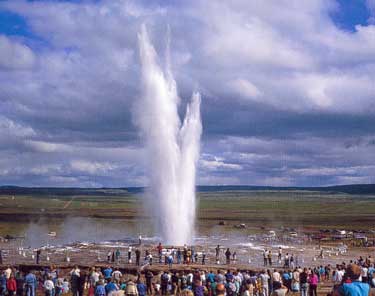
{"x": 198, "y": 289}
{"x": 295, "y": 281}
{"x": 109, "y": 254}
{"x": 170, "y": 260}
{"x": 279, "y": 254}
{"x": 220, "y": 289}
{"x": 137, "y": 256}
{"x": 160, "y": 250}
{"x": 74, "y": 280}
{"x": 8, "y": 272}
{"x": 38, "y": 253}
{"x": 141, "y": 288}
{"x": 269, "y": 258}
{"x": 131, "y": 289}
{"x": 117, "y": 255}
{"x": 352, "y": 286}
{"x": 59, "y": 287}
{"x": 249, "y": 289}
{"x": 313, "y": 283}
{"x": 1, "y": 256}
{"x": 164, "y": 279}
{"x": 20, "y": 283}
{"x": 227, "y": 255}
{"x": 179, "y": 256}
{"x": 48, "y": 287}
{"x": 279, "y": 290}
{"x": 110, "y": 287}
{"x": 203, "y": 258}
{"x": 99, "y": 289}
{"x": 81, "y": 283}
{"x": 264, "y": 277}
{"x": 265, "y": 260}
{"x": 174, "y": 280}
{"x": 12, "y": 286}
{"x": 3, "y": 283}
{"x": 107, "y": 272}
{"x": 117, "y": 275}
{"x": 65, "y": 286}
{"x": 30, "y": 284}
{"x": 217, "y": 252}
{"x": 286, "y": 261}
{"x": 276, "y": 277}
{"x": 149, "y": 276}
{"x": 130, "y": 255}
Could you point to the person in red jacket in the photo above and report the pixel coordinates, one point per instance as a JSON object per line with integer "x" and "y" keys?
{"x": 12, "y": 286}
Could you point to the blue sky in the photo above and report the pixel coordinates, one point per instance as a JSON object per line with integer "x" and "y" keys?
{"x": 287, "y": 89}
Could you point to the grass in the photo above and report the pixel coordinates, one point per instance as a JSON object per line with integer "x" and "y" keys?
{"x": 306, "y": 209}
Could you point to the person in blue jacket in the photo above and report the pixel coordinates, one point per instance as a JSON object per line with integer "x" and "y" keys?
{"x": 107, "y": 273}
{"x": 110, "y": 287}
{"x": 141, "y": 287}
{"x": 100, "y": 290}
{"x": 352, "y": 285}
{"x": 30, "y": 284}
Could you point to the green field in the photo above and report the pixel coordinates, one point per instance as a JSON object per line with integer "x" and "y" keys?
{"x": 273, "y": 208}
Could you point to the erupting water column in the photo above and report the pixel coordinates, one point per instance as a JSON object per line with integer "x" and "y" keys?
{"x": 172, "y": 148}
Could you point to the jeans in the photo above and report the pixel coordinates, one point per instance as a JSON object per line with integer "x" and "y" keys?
{"x": 30, "y": 290}
{"x": 265, "y": 291}
{"x": 304, "y": 289}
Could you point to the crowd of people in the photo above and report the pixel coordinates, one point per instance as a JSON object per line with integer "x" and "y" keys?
{"x": 352, "y": 279}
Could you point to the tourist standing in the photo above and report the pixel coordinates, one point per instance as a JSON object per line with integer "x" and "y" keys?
{"x": 11, "y": 286}
{"x": 130, "y": 255}
{"x": 48, "y": 287}
{"x": 264, "y": 277}
{"x": 217, "y": 252}
{"x": 38, "y": 253}
{"x": 137, "y": 257}
{"x": 30, "y": 284}
{"x": 269, "y": 258}
{"x": 227, "y": 255}
{"x": 149, "y": 276}
{"x": 313, "y": 283}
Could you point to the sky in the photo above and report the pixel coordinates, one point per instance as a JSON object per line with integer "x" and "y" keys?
{"x": 288, "y": 89}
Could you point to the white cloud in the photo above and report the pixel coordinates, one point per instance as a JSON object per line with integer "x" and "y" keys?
{"x": 218, "y": 164}
{"x": 46, "y": 147}
{"x": 245, "y": 88}
{"x": 10, "y": 128}
{"x": 91, "y": 167}
{"x": 15, "y": 55}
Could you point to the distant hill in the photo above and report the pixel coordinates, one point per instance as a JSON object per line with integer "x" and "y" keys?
{"x": 365, "y": 189}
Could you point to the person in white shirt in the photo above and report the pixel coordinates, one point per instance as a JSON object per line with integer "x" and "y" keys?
{"x": 264, "y": 277}
{"x": 75, "y": 271}
{"x": 117, "y": 275}
{"x": 8, "y": 272}
{"x": 48, "y": 287}
{"x": 276, "y": 277}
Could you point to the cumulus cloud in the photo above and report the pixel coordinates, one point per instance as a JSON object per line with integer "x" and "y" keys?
{"x": 287, "y": 96}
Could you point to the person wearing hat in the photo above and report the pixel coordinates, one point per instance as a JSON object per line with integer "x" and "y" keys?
{"x": 353, "y": 286}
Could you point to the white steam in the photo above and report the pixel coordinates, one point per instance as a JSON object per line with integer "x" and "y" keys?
{"x": 172, "y": 148}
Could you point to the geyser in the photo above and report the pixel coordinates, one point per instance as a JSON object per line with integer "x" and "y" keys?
{"x": 172, "y": 147}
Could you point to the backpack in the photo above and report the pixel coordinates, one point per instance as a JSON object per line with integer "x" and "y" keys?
{"x": 231, "y": 289}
